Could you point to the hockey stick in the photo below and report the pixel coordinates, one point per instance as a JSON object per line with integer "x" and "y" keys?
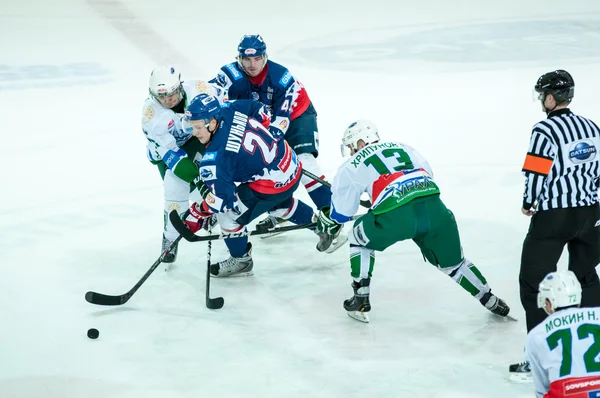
{"x": 211, "y": 303}
{"x": 105, "y": 299}
{"x": 188, "y": 235}
{"x": 363, "y": 202}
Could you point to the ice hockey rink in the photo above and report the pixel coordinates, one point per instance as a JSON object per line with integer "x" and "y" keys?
{"x": 81, "y": 207}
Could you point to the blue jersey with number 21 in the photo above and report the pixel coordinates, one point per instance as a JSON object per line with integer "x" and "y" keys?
{"x": 243, "y": 150}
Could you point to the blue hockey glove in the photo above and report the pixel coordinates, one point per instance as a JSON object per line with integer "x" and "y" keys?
{"x": 325, "y": 225}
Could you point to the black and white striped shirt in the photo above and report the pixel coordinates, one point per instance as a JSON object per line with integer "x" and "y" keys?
{"x": 562, "y": 167}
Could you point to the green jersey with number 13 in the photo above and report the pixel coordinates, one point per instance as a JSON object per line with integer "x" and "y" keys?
{"x": 391, "y": 173}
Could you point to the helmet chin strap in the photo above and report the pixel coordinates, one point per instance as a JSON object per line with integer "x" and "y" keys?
{"x": 212, "y": 133}
{"x": 548, "y": 111}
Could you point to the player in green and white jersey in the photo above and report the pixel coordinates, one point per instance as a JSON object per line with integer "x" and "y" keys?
{"x": 406, "y": 204}
{"x": 171, "y": 146}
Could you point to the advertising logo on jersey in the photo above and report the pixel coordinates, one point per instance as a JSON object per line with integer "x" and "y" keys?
{"x": 582, "y": 151}
{"x": 209, "y": 156}
{"x": 255, "y": 96}
{"x": 208, "y": 172}
{"x": 283, "y": 125}
{"x": 285, "y": 79}
{"x": 171, "y": 124}
{"x": 234, "y": 72}
{"x": 210, "y": 199}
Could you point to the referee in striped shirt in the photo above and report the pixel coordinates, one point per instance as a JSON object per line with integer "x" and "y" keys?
{"x": 562, "y": 171}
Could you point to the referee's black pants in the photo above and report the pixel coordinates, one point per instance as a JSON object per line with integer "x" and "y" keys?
{"x": 549, "y": 232}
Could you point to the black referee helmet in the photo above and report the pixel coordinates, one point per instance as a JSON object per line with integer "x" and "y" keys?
{"x": 559, "y": 83}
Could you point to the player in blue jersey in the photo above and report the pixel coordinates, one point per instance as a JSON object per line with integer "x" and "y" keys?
{"x": 256, "y": 77}
{"x": 240, "y": 149}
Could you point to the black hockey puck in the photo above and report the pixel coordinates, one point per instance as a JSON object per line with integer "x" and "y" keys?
{"x": 93, "y": 333}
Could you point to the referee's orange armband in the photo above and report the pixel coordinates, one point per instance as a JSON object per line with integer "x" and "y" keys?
{"x": 537, "y": 164}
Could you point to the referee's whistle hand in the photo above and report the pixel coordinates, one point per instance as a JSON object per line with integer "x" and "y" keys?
{"x": 528, "y": 213}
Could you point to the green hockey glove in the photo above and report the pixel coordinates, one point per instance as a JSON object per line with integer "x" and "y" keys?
{"x": 325, "y": 225}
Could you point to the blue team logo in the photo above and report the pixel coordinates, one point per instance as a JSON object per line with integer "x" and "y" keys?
{"x": 207, "y": 173}
{"x": 255, "y": 96}
{"x": 582, "y": 151}
{"x": 221, "y": 80}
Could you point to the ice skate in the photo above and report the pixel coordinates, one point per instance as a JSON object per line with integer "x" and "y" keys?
{"x": 170, "y": 256}
{"x": 330, "y": 243}
{"x": 495, "y": 304}
{"x": 270, "y": 223}
{"x": 359, "y": 304}
{"x": 520, "y": 372}
{"x": 234, "y": 266}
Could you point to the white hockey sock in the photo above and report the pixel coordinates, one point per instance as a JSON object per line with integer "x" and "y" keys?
{"x": 362, "y": 260}
{"x": 468, "y": 276}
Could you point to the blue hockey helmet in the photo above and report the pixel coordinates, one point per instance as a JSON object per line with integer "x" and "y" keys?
{"x": 203, "y": 107}
{"x": 252, "y": 46}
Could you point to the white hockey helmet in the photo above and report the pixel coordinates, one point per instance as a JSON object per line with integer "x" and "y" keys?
{"x": 165, "y": 81}
{"x": 562, "y": 289}
{"x": 359, "y": 130}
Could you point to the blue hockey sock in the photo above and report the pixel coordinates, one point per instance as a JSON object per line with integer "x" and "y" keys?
{"x": 237, "y": 246}
{"x": 302, "y": 215}
{"x": 321, "y": 196}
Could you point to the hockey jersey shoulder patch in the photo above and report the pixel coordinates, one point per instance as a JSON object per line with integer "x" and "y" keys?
{"x": 233, "y": 70}
{"x": 148, "y": 114}
{"x": 285, "y": 79}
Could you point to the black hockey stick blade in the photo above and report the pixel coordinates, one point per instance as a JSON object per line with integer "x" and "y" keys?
{"x": 215, "y": 303}
{"x": 191, "y": 237}
{"x": 181, "y": 228}
{"x": 105, "y": 299}
{"x": 363, "y": 202}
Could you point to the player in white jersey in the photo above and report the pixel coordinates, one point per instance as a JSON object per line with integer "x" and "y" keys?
{"x": 170, "y": 146}
{"x": 563, "y": 350}
{"x": 405, "y": 205}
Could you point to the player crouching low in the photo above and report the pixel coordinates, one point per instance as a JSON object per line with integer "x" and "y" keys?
{"x": 240, "y": 149}
{"x": 406, "y": 204}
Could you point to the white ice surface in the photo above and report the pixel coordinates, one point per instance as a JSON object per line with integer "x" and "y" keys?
{"x": 452, "y": 78}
